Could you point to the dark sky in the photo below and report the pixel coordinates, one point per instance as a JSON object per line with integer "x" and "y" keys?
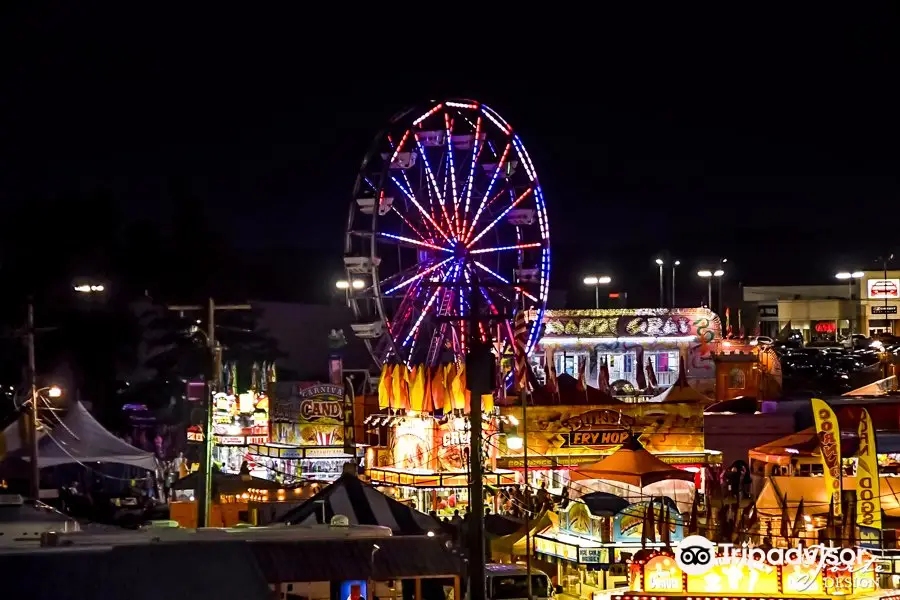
{"x": 771, "y": 139}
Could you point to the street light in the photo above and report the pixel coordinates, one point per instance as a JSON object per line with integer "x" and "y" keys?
{"x": 850, "y": 277}
{"x": 356, "y": 284}
{"x": 674, "y": 264}
{"x": 660, "y": 262}
{"x": 708, "y": 275}
{"x": 89, "y": 289}
{"x": 54, "y": 391}
{"x": 597, "y": 281}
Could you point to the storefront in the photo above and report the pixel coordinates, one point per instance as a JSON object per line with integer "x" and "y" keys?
{"x": 565, "y": 438}
{"x": 881, "y": 301}
{"x": 626, "y": 340}
{"x": 307, "y": 433}
{"x": 426, "y": 463}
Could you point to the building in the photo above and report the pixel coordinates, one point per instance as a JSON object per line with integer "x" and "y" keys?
{"x": 866, "y": 305}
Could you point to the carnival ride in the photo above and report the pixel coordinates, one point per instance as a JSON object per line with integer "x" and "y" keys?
{"x": 447, "y": 207}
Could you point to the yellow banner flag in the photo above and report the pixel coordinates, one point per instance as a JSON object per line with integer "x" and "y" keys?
{"x": 868, "y": 488}
{"x": 829, "y": 434}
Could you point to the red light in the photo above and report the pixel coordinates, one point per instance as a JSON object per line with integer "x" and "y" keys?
{"x": 614, "y": 295}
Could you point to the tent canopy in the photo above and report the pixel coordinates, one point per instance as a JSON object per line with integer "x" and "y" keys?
{"x": 631, "y": 464}
{"x": 79, "y": 438}
{"x": 815, "y": 498}
{"x": 680, "y": 391}
{"x": 362, "y": 504}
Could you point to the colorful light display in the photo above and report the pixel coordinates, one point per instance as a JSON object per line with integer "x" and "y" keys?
{"x": 441, "y": 187}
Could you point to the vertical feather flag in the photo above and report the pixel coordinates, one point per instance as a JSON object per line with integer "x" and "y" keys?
{"x": 582, "y": 367}
{"x": 384, "y": 387}
{"x": 520, "y": 332}
{"x": 438, "y": 389}
{"x": 454, "y": 379}
{"x": 799, "y": 520}
{"x": 449, "y": 374}
{"x": 550, "y": 364}
{"x": 695, "y": 515}
{"x": 487, "y": 403}
{"x": 785, "y": 530}
{"x": 417, "y": 388}
{"x": 427, "y": 399}
{"x": 651, "y": 374}
{"x": 639, "y": 368}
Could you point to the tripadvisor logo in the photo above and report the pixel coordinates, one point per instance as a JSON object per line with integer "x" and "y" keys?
{"x": 696, "y": 555}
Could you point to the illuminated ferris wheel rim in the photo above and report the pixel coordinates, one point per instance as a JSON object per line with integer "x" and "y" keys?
{"x": 460, "y": 215}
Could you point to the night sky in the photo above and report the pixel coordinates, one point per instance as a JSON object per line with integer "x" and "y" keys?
{"x": 770, "y": 139}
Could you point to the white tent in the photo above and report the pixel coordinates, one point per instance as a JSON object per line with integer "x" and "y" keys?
{"x": 79, "y": 438}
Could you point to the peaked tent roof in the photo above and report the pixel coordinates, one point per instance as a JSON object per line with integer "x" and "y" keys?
{"x": 680, "y": 391}
{"x": 631, "y": 464}
{"x": 363, "y": 505}
{"x": 79, "y": 438}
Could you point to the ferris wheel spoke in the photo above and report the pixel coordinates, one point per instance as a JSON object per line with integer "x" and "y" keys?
{"x": 448, "y": 127}
{"x": 401, "y": 238}
{"x": 408, "y": 224}
{"x": 412, "y": 198}
{"x": 515, "y": 203}
{"x": 475, "y": 152}
{"x": 506, "y": 248}
{"x": 434, "y": 186}
{"x": 422, "y": 274}
{"x": 422, "y": 315}
{"x": 487, "y": 192}
{"x": 496, "y": 275}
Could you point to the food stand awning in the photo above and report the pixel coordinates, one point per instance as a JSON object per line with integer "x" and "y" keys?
{"x": 631, "y": 464}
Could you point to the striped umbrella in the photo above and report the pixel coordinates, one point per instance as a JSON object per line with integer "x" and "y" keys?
{"x": 520, "y": 379}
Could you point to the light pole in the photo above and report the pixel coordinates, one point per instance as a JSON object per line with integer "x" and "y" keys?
{"x": 850, "y": 277}
{"x": 662, "y": 300}
{"x": 708, "y": 275}
{"x": 674, "y": 264}
{"x": 597, "y": 281}
{"x": 719, "y": 273}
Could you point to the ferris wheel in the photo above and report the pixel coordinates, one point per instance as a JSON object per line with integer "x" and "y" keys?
{"x": 448, "y": 217}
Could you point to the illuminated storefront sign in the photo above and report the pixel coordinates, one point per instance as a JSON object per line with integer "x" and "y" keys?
{"x": 633, "y": 323}
{"x": 556, "y": 548}
{"x": 661, "y": 574}
{"x": 308, "y": 414}
{"x": 883, "y": 288}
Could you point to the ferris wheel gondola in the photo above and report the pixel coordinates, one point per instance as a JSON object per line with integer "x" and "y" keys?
{"x": 447, "y": 204}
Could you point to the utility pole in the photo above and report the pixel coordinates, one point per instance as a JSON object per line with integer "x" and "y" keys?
{"x": 33, "y": 408}
{"x": 215, "y": 384}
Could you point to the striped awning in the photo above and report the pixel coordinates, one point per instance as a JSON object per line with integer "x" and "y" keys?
{"x": 362, "y": 504}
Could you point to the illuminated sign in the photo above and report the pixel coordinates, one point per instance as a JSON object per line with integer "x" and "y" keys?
{"x": 735, "y": 579}
{"x": 593, "y": 555}
{"x": 194, "y": 434}
{"x": 883, "y": 288}
{"x": 231, "y": 440}
{"x": 881, "y": 309}
{"x": 595, "y": 438}
{"x": 317, "y": 409}
{"x": 555, "y": 548}
{"x": 661, "y": 574}
{"x": 599, "y": 419}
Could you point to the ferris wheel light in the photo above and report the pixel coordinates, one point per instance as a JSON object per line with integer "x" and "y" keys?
{"x": 358, "y": 284}
{"x": 343, "y": 284}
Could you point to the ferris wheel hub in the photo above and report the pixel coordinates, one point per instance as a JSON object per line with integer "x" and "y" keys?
{"x": 460, "y": 251}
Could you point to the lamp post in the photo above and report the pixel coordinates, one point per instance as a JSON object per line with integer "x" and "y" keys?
{"x": 662, "y": 300}
{"x": 708, "y": 275}
{"x": 597, "y": 281}
{"x": 850, "y": 277}
{"x": 674, "y": 264}
{"x": 719, "y": 273}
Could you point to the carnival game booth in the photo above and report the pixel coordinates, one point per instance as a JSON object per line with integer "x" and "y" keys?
{"x": 564, "y": 439}
{"x": 638, "y": 346}
{"x": 592, "y": 542}
{"x": 426, "y": 463}
{"x": 308, "y": 432}
{"x": 239, "y": 422}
